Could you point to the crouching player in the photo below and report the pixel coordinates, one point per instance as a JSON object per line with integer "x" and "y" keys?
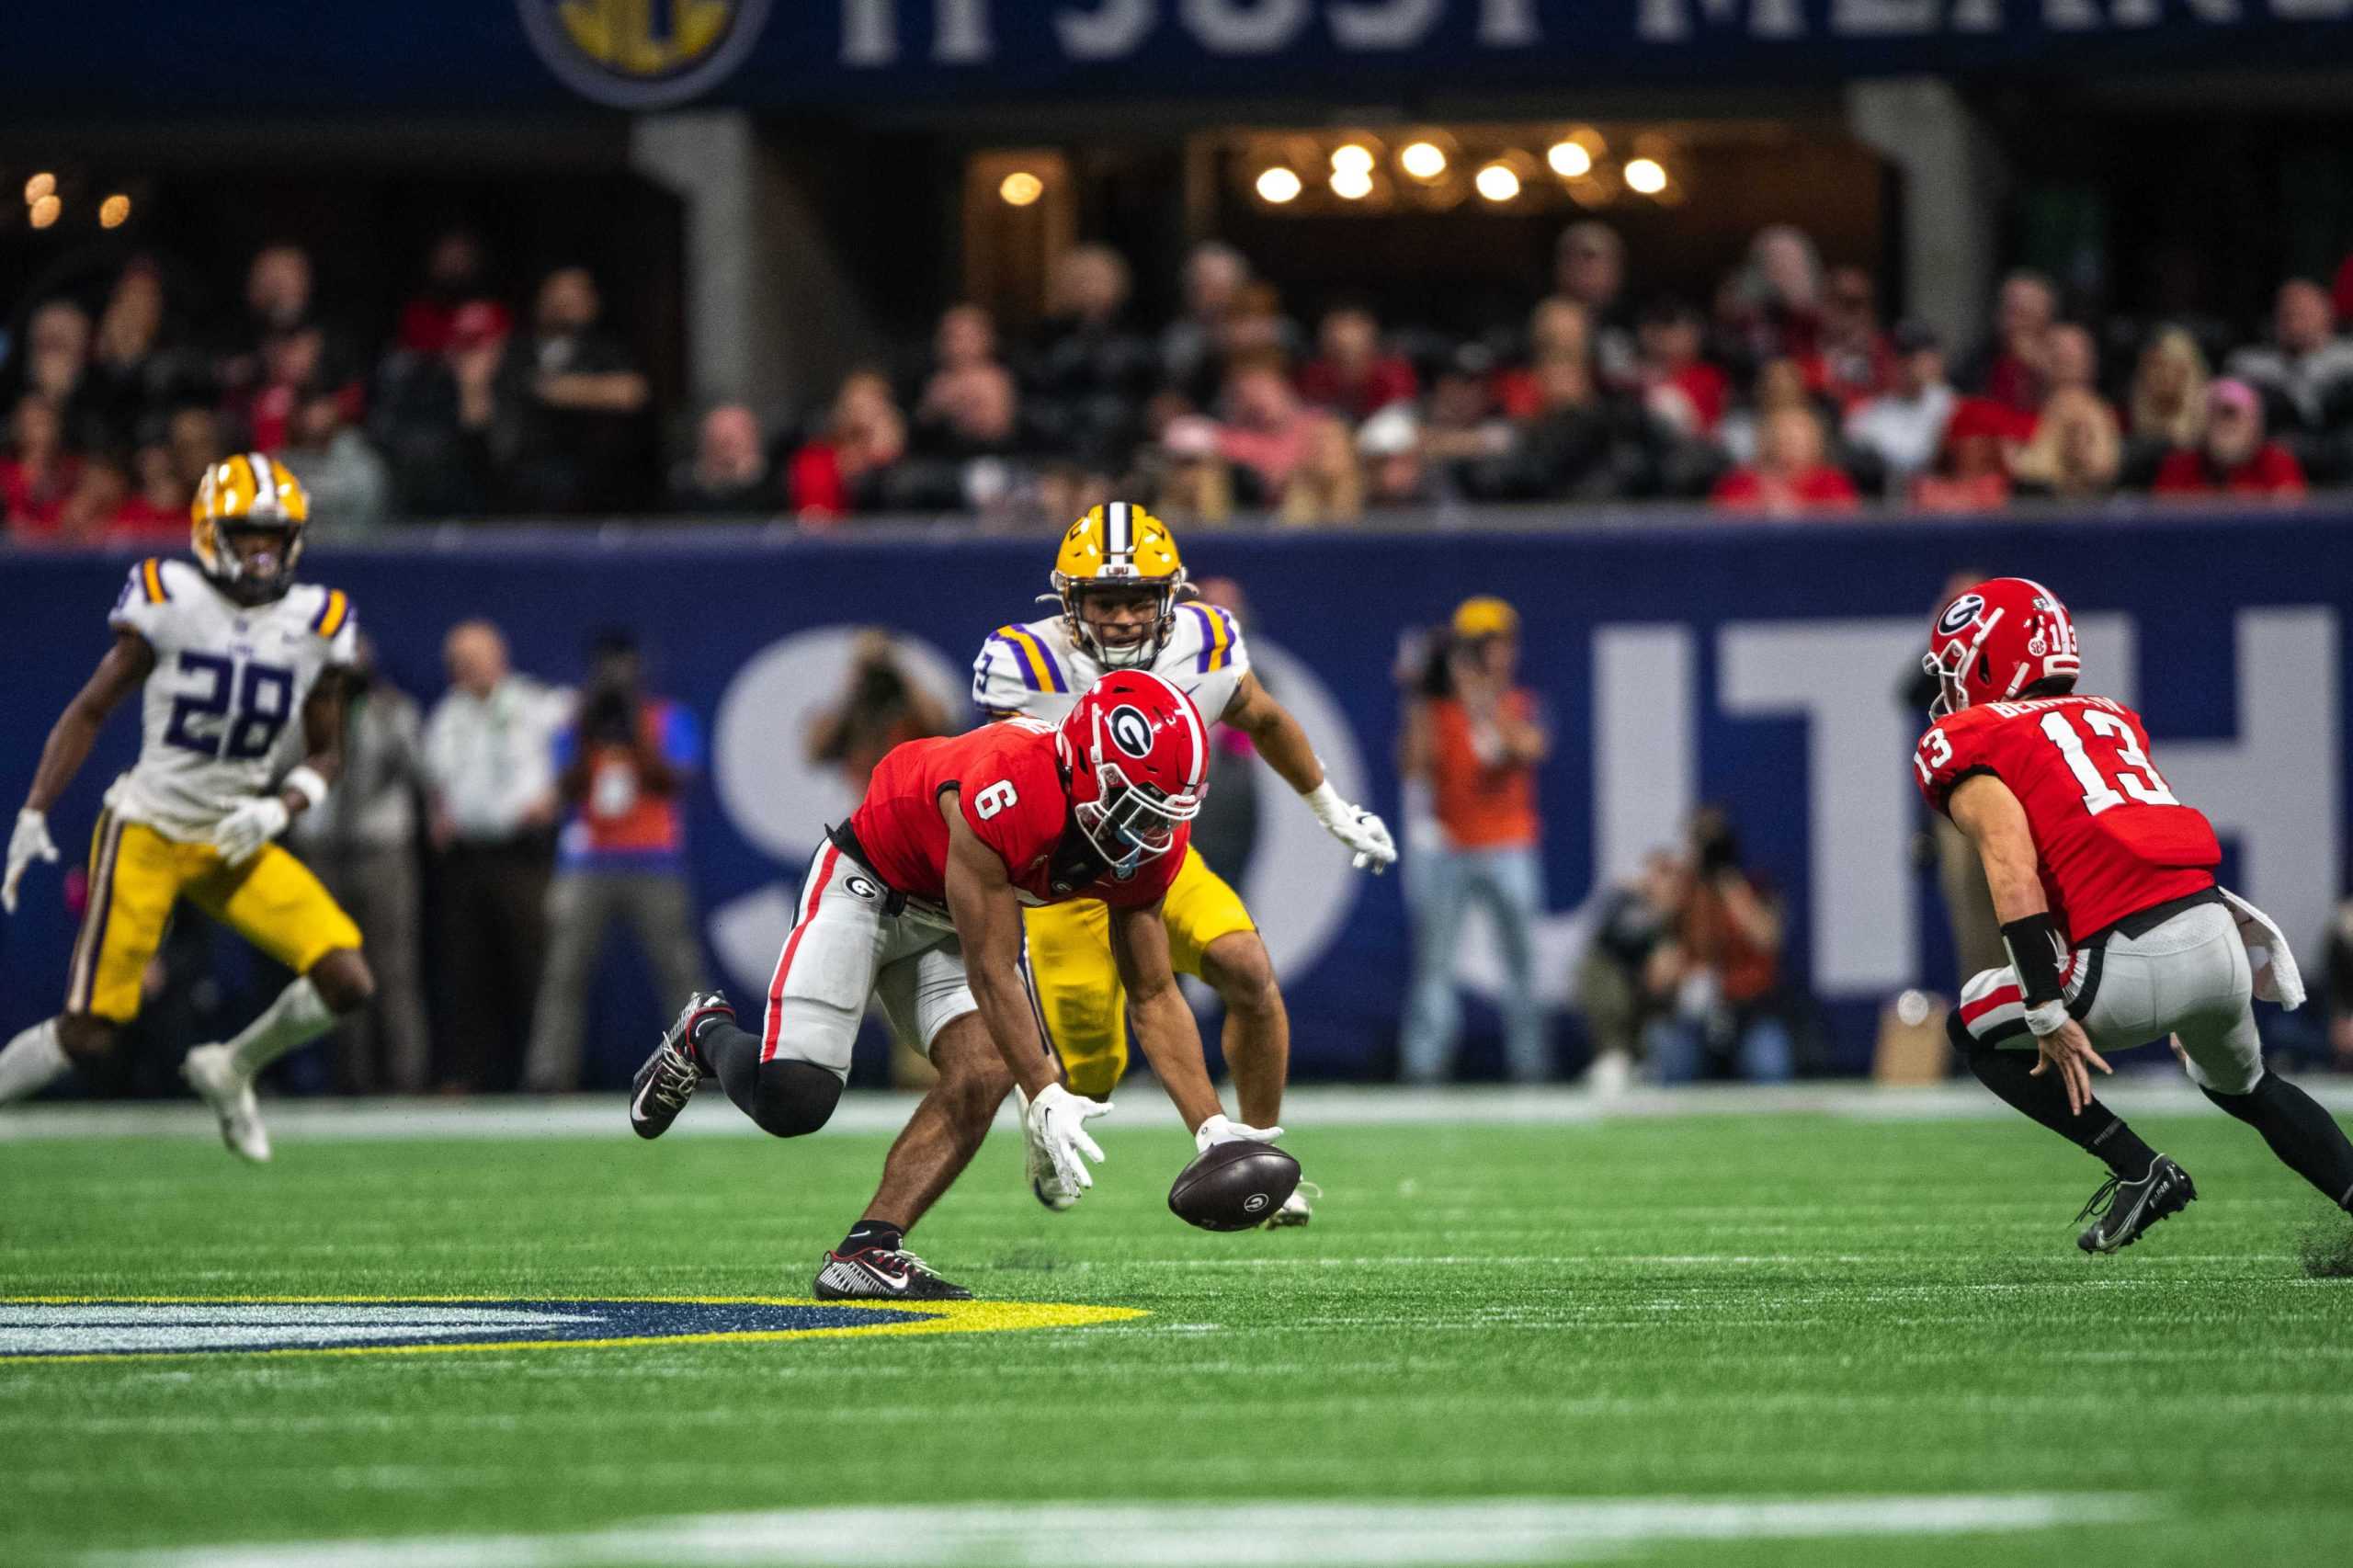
{"x": 915, "y": 902}
{"x": 2104, "y": 883}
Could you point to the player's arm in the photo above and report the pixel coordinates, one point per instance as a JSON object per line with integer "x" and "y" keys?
{"x": 124, "y": 668}
{"x": 1165, "y": 1028}
{"x": 1985, "y": 810}
{"x": 1283, "y": 742}
{"x": 254, "y": 823}
{"x": 987, "y": 914}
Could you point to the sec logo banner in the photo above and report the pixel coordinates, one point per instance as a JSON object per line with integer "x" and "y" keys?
{"x": 643, "y": 53}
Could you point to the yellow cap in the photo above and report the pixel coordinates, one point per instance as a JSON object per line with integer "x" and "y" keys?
{"x": 1485, "y": 616}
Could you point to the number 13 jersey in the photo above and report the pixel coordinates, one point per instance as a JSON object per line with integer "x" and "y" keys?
{"x": 2111, "y": 838}
{"x": 228, "y": 681}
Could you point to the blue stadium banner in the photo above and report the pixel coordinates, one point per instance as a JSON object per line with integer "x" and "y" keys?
{"x": 248, "y": 57}
{"x": 1755, "y": 664}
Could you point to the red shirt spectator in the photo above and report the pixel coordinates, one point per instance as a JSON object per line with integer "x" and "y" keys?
{"x": 453, "y": 283}
{"x": 1789, "y": 477}
{"x": 1973, "y": 470}
{"x": 37, "y": 474}
{"x": 1352, "y": 377}
{"x": 2235, "y": 459}
{"x": 1677, "y": 385}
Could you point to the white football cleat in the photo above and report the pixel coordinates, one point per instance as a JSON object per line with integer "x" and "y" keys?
{"x": 215, "y": 1078}
{"x": 1045, "y": 1185}
{"x": 1297, "y": 1210}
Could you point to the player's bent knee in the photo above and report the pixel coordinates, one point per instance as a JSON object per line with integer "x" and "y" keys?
{"x": 345, "y": 981}
{"x": 85, "y": 1037}
{"x": 794, "y": 1098}
{"x": 1239, "y": 971}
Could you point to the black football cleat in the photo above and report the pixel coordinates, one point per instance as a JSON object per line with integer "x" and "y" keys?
{"x": 666, "y": 1082}
{"x": 2122, "y": 1209}
{"x": 872, "y": 1274}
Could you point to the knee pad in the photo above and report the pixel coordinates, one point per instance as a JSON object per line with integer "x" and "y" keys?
{"x": 794, "y": 1098}
{"x": 2240, "y": 1106}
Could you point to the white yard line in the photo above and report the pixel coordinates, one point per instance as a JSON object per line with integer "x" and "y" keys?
{"x": 375, "y": 1121}
{"x": 1264, "y": 1535}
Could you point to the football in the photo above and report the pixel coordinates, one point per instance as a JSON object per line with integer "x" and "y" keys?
{"x": 1234, "y": 1186}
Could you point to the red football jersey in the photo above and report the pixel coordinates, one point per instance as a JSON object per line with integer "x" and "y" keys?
{"x": 2111, "y": 837}
{"x": 1009, "y": 787}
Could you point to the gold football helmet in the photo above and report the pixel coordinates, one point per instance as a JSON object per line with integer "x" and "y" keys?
{"x": 247, "y": 492}
{"x": 1119, "y": 548}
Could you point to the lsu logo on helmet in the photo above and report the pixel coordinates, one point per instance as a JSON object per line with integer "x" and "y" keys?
{"x": 1119, "y": 548}
{"x": 247, "y": 491}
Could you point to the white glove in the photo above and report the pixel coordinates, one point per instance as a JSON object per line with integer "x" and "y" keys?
{"x": 1056, "y": 1128}
{"x": 254, "y": 823}
{"x": 1222, "y": 1129}
{"x": 30, "y": 841}
{"x": 1354, "y": 826}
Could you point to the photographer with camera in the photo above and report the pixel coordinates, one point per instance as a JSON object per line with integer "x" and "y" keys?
{"x": 623, "y": 763}
{"x": 882, "y": 709}
{"x": 1720, "y": 973}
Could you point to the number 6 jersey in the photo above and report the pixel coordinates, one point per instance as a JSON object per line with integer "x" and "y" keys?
{"x": 229, "y": 678}
{"x": 2111, "y": 838}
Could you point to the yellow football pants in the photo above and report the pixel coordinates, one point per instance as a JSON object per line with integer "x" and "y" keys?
{"x": 1077, "y": 984}
{"x": 137, "y": 875}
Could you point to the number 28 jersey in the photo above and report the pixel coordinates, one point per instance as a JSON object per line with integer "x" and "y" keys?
{"x": 229, "y": 679}
{"x": 1008, "y": 784}
{"x": 2111, "y": 838}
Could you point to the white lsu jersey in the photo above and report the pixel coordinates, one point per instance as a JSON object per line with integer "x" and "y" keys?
{"x": 1037, "y": 668}
{"x": 229, "y": 679}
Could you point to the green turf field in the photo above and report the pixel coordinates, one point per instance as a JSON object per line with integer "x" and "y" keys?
{"x": 1815, "y": 1325}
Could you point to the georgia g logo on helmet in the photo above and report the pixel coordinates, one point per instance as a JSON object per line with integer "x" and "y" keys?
{"x": 1960, "y": 614}
{"x": 1129, "y": 729}
{"x": 1136, "y": 755}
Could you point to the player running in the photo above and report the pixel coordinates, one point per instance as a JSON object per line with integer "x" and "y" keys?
{"x": 1120, "y": 580}
{"x": 916, "y": 903}
{"x": 228, "y": 650}
{"x": 2104, "y": 883}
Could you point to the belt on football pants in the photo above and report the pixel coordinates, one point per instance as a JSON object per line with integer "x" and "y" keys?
{"x": 2141, "y": 922}
{"x": 843, "y": 839}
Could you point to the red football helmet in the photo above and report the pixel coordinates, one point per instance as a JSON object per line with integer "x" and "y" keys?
{"x": 1995, "y": 641}
{"x": 1137, "y": 755}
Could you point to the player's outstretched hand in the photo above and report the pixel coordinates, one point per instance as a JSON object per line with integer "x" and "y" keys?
{"x": 1056, "y": 1128}
{"x": 2069, "y": 1050}
{"x": 28, "y": 842}
{"x": 254, "y": 823}
{"x": 1222, "y": 1129}
{"x": 1359, "y": 829}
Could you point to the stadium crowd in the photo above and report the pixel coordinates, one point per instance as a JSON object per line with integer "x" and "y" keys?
{"x": 1787, "y": 393}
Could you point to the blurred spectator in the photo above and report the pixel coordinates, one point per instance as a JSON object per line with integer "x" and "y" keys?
{"x": 362, "y": 841}
{"x": 1681, "y": 390}
{"x": 2075, "y": 450}
{"x": 1612, "y": 986}
{"x": 1388, "y": 445}
{"x": 2304, "y": 377}
{"x": 1351, "y": 377}
{"x": 623, "y": 762}
{"x": 278, "y": 305}
{"x": 1791, "y": 477}
{"x": 881, "y": 709}
{"x": 350, "y": 486}
{"x": 1272, "y": 438}
{"x": 1193, "y": 482}
{"x": 1328, "y": 487}
{"x": 193, "y": 436}
{"x": 1461, "y": 419}
{"x": 100, "y": 489}
{"x": 841, "y": 470}
{"x": 965, "y": 341}
{"x": 2167, "y": 409}
{"x": 730, "y": 468}
{"x": 1781, "y": 383}
{"x": 2009, "y": 369}
{"x": 2235, "y": 459}
{"x": 52, "y": 363}
{"x": 1475, "y": 739}
{"x": 1557, "y": 329}
{"x": 132, "y": 375}
{"x": 1773, "y": 309}
{"x": 1905, "y": 425}
{"x": 1973, "y": 468}
{"x": 37, "y": 474}
{"x": 435, "y": 414}
{"x": 568, "y": 433}
{"x": 291, "y": 363}
{"x": 1091, "y": 370}
{"x": 1192, "y": 347}
{"x": 1582, "y": 444}
{"x": 157, "y": 506}
{"x": 1723, "y": 969}
{"x": 1856, "y": 358}
{"x": 1589, "y": 270}
{"x": 456, "y": 289}
{"x": 489, "y": 763}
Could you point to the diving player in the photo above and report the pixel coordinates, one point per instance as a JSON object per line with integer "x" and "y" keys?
{"x": 228, "y": 650}
{"x": 2118, "y": 934}
{"x": 1121, "y": 580}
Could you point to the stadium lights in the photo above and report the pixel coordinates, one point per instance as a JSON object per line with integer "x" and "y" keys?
{"x": 1647, "y": 177}
{"x": 1018, "y": 188}
{"x": 1570, "y": 160}
{"x": 1423, "y": 160}
{"x": 114, "y": 211}
{"x": 1497, "y": 182}
{"x": 1352, "y": 158}
{"x": 1278, "y": 185}
{"x": 41, "y": 185}
{"x": 1352, "y": 184}
{"x": 45, "y": 212}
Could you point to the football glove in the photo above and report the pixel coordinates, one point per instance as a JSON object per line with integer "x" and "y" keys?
{"x": 1056, "y": 1128}
{"x": 254, "y": 823}
{"x": 1222, "y": 1129}
{"x": 28, "y": 842}
{"x": 1359, "y": 829}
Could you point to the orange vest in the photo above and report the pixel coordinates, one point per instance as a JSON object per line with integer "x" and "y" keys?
{"x": 1479, "y": 807}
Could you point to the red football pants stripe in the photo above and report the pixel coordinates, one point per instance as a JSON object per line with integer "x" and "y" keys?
{"x": 818, "y": 878}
